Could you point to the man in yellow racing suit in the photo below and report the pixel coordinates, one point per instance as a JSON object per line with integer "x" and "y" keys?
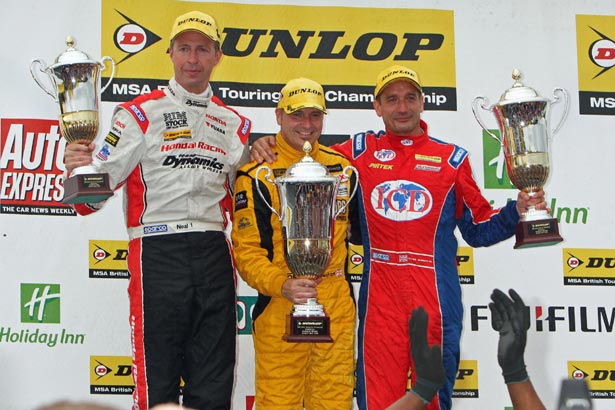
{"x": 291, "y": 376}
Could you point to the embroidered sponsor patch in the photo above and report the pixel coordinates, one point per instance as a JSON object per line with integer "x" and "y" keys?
{"x": 241, "y": 200}
{"x": 103, "y": 154}
{"x": 112, "y": 139}
{"x": 428, "y": 158}
{"x": 173, "y": 135}
{"x": 244, "y": 223}
{"x": 424, "y": 167}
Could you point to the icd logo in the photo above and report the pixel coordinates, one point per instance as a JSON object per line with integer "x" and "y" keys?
{"x": 401, "y": 200}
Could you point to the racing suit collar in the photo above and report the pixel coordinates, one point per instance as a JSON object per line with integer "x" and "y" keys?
{"x": 289, "y": 152}
{"x": 188, "y": 99}
{"x": 409, "y": 141}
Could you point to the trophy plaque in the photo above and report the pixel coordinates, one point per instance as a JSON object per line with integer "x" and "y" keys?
{"x": 307, "y": 200}
{"x": 75, "y": 79}
{"x": 524, "y": 138}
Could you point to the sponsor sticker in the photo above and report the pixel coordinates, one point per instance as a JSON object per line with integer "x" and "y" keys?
{"x": 107, "y": 259}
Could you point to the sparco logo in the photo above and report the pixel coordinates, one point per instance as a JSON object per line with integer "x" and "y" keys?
{"x": 132, "y": 38}
{"x": 193, "y": 161}
{"x": 154, "y": 229}
{"x": 401, "y": 200}
{"x": 584, "y": 319}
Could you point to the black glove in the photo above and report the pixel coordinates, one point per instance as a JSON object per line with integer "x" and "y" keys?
{"x": 427, "y": 360}
{"x": 511, "y": 319}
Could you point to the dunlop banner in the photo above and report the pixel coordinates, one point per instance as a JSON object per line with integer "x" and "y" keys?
{"x": 596, "y": 59}
{"x": 264, "y": 46}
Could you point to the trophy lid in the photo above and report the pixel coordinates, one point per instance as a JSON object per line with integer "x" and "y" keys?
{"x": 307, "y": 168}
{"x": 72, "y": 55}
{"x": 519, "y": 92}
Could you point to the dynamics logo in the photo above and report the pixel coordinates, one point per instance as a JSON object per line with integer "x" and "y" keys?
{"x": 132, "y": 38}
{"x": 589, "y": 267}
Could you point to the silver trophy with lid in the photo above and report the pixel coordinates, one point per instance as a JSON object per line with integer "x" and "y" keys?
{"x": 308, "y": 205}
{"x": 522, "y": 117}
{"x": 73, "y": 81}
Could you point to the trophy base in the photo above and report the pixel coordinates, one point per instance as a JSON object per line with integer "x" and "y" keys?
{"x": 86, "y": 188}
{"x": 541, "y": 232}
{"x": 307, "y": 329}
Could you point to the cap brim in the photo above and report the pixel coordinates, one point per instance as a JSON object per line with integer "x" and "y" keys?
{"x": 289, "y": 110}
{"x": 392, "y": 80}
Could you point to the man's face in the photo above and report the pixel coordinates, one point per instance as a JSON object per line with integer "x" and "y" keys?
{"x": 400, "y": 105}
{"x": 302, "y": 125}
{"x": 194, "y": 57}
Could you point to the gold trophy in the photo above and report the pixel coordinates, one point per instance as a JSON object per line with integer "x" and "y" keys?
{"x": 76, "y": 81}
{"x": 522, "y": 118}
{"x": 308, "y": 201}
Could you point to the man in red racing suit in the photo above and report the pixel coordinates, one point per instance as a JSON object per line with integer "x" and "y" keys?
{"x": 416, "y": 190}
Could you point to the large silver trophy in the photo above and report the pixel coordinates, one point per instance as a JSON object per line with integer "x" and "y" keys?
{"x": 75, "y": 78}
{"x": 308, "y": 210}
{"x": 524, "y": 137}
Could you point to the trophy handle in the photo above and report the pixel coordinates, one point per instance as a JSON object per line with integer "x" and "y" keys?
{"x": 258, "y": 188}
{"x": 38, "y": 63}
{"x": 484, "y": 105}
{"x": 354, "y": 191}
{"x": 556, "y": 100}
{"x": 112, "y": 62}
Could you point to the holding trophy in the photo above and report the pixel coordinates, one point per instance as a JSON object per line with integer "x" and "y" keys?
{"x": 524, "y": 137}
{"x": 75, "y": 79}
{"x": 308, "y": 200}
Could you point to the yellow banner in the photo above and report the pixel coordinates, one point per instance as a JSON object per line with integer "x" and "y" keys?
{"x": 589, "y": 266}
{"x": 343, "y": 48}
{"x": 108, "y": 259}
{"x": 600, "y": 377}
{"x": 596, "y": 62}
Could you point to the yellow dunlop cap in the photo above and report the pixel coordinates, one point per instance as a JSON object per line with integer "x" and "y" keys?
{"x": 394, "y": 73}
{"x": 302, "y": 93}
{"x": 196, "y": 21}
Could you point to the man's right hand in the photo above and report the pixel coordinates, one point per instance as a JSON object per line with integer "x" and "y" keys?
{"x": 262, "y": 149}
{"x": 300, "y": 290}
{"x": 77, "y": 155}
